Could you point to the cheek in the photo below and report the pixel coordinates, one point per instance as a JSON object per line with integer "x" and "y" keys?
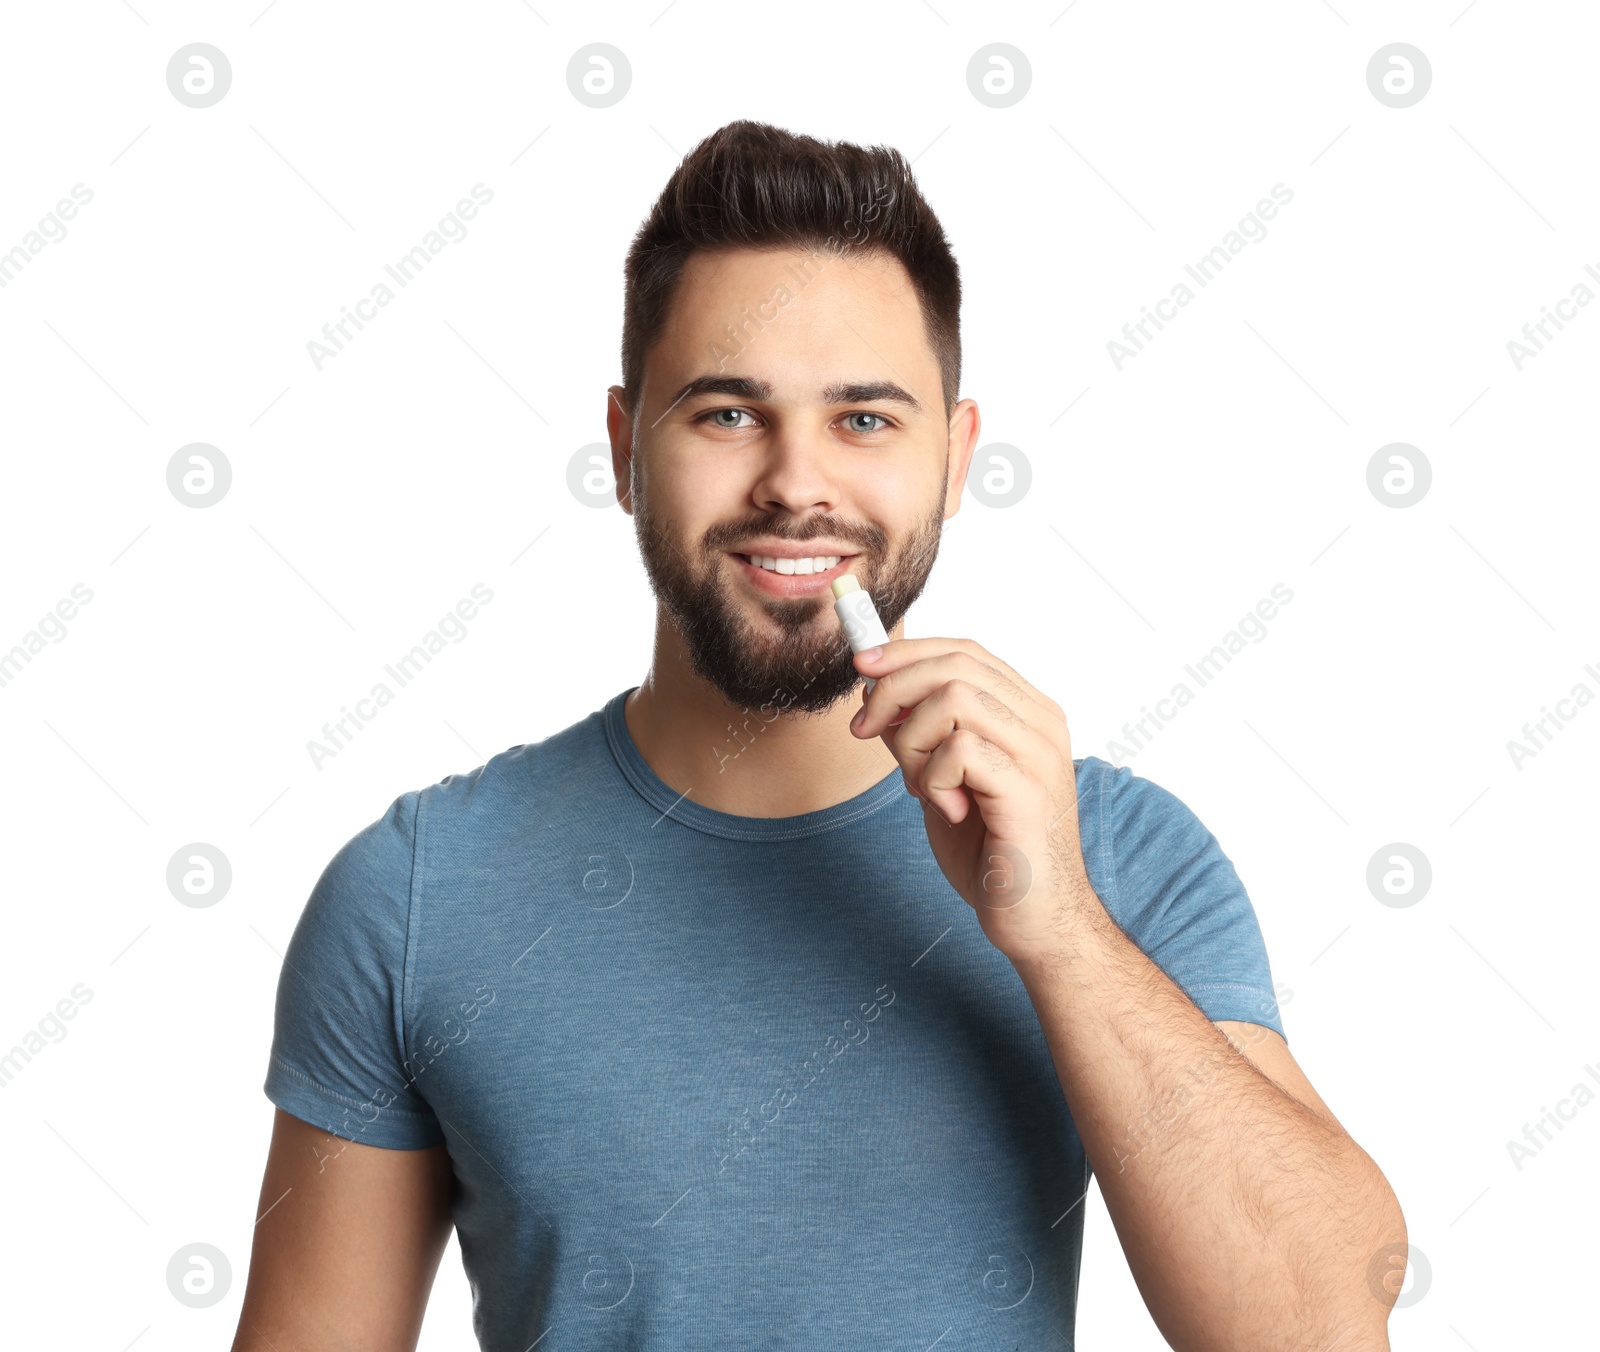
{"x": 692, "y": 493}
{"x": 903, "y": 493}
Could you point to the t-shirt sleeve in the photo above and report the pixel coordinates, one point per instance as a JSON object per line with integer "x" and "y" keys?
{"x": 339, "y": 1057}
{"x": 1176, "y": 895}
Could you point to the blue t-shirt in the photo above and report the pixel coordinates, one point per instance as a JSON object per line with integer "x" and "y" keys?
{"x": 709, "y": 1080}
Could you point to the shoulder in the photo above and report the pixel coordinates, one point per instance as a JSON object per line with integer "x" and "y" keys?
{"x": 377, "y": 870}
{"x": 1146, "y": 843}
{"x": 1115, "y": 789}
{"x": 1131, "y": 803}
{"x": 1126, "y": 813}
{"x": 1166, "y": 881}
{"x": 537, "y": 780}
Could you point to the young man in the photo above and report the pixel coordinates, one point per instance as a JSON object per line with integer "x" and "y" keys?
{"x": 746, "y": 1012}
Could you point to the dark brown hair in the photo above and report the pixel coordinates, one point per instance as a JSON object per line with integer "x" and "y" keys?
{"x": 753, "y": 185}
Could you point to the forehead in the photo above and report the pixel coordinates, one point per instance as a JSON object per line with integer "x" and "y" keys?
{"x": 789, "y": 315}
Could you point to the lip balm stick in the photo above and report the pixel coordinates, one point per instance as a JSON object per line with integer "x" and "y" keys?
{"x": 855, "y": 610}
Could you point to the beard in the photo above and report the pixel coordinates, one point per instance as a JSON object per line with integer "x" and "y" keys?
{"x": 797, "y": 660}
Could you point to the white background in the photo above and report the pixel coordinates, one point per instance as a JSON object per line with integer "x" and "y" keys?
{"x": 431, "y": 454}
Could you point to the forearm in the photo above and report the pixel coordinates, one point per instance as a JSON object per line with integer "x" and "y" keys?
{"x": 1248, "y": 1219}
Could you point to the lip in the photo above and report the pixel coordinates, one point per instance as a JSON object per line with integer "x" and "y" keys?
{"x": 790, "y": 584}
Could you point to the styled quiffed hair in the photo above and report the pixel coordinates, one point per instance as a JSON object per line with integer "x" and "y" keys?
{"x": 753, "y": 185}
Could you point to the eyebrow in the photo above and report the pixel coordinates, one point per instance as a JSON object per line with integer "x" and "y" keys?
{"x": 842, "y": 392}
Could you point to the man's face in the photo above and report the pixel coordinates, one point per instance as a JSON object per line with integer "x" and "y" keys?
{"x": 813, "y": 425}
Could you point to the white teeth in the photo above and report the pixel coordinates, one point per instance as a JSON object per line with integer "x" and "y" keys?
{"x": 795, "y": 566}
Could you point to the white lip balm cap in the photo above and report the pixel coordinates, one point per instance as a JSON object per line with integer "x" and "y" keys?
{"x": 856, "y": 613}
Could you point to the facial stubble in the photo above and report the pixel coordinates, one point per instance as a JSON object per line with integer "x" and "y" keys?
{"x": 806, "y": 666}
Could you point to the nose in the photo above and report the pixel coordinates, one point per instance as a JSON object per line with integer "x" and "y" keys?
{"x": 798, "y": 473}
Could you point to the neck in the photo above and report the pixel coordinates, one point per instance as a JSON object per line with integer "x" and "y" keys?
{"x": 749, "y": 762}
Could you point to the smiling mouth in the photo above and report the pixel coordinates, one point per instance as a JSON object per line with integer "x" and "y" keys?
{"x": 809, "y": 567}
{"x": 805, "y": 578}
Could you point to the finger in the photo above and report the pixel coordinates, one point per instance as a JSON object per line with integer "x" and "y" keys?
{"x": 956, "y": 705}
{"x": 900, "y": 652}
{"x": 1003, "y": 792}
{"x": 907, "y": 686}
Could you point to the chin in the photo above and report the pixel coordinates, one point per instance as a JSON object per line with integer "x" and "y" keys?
{"x": 812, "y": 683}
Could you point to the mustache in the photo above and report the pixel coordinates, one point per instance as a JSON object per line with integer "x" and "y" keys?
{"x": 726, "y": 535}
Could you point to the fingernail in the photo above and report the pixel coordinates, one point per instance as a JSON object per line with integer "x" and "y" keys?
{"x": 872, "y": 654}
{"x": 861, "y": 714}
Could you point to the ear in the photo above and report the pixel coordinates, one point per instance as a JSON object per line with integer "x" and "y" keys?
{"x": 964, "y": 428}
{"x": 619, "y": 426}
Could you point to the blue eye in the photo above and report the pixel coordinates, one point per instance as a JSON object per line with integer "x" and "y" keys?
{"x": 715, "y": 415}
{"x": 727, "y": 420}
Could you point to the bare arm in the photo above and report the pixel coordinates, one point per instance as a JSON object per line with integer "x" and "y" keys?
{"x": 348, "y": 1239}
{"x": 1249, "y": 1218}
